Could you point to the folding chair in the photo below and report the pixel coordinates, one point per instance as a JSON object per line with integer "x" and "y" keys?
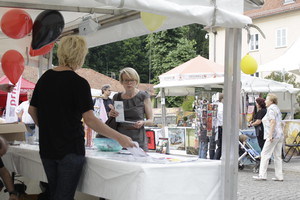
{"x": 292, "y": 148}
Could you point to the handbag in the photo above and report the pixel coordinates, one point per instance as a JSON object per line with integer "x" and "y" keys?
{"x": 111, "y": 122}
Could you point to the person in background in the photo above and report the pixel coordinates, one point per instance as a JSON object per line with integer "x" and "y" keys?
{"x": 218, "y": 153}
{"x": 108, "y": 102}
{"x": 257, "y": 121}
{"x": 6, "y": 87}
{"x": 137, "y": 107}
{"x": 23, "y": 116}
{"x": 60, "y": 100}
{"x": 4, "y": 173}
{"x": 273, "y": 134}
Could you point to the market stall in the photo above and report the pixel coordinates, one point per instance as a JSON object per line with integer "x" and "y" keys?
{"x": 188, "y": 82}
{"x": 104, "y": 22}
{"x": 120, "y": 176}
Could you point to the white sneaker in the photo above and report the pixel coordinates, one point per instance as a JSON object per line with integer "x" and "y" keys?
{"x": 259, "y": 178}
{"x": 276, "y": 179}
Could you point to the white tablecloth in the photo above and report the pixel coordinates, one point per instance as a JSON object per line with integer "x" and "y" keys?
{"x": 122, "y": 177}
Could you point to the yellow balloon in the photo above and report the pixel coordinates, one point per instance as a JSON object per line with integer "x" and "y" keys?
{"x": 248, "y": 64}
{"x": 152, "y": 21}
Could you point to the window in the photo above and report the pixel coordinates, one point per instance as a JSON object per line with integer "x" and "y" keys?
{"x": 254, "y": 42}
{"x": 289, "y": 1}
{"x": 281, "y": 37}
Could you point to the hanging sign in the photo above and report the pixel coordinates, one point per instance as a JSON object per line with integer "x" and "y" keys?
{"x": 12, "y": 102}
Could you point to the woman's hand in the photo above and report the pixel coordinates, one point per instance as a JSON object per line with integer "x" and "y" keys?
{"x": 125, "y": 141}
{"x": 6, "y": 87}
{"x": 112, "y": 112}
{"x": 139, "y": 124}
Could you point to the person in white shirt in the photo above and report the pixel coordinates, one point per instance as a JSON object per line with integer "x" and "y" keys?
{"x": 218, "y": 153}
{"x": 23, "y": 116}
{"x": 273, "y": 134}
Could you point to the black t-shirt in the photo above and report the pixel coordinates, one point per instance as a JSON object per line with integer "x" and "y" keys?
{"x": 61, "y": 97}
{"x": 259, "y": 129}
{"x": 106, "y": 102}
{"x": 1, "y": 163}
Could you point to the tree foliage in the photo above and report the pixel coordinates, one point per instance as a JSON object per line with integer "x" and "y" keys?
{"x": 284, "y": 77}
{"x": 287, "y": 78}
{"x": 150, "y": 55}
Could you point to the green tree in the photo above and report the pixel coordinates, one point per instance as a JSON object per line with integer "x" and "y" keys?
{"x": 284, "y": 77}
{"x": 168, "y": 49}
{"x": 287, "y": 78}
{"x": 187, "y": 104}
{"x": 150, "y": 55}
{"x": 197, "y": 33}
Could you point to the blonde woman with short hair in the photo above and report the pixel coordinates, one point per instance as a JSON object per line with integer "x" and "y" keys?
{"x": 137, "y": 107}
{"x": 273, "y": 134}
{"x": 60, "y": 100}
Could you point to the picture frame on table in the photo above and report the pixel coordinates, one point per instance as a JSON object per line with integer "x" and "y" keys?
{"x": 162, "y": 145}
{"x": 177, "y": 140}
{"x": 192, "y": 146}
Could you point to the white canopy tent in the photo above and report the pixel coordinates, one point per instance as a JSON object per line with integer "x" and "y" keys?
{"x": 287, "y": 62}
{"x": 120, "y": 19}
{"x": 249, "y": 84}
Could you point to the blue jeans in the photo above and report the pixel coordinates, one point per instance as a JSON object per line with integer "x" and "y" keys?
{"x": 203, "y": 149}
{"x": 63, "y": 176}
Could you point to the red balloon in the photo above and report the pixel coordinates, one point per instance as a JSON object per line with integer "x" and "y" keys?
{"x": 41, "y": 51}
{"x": 12, "y": 65}
{"x": 16, "y": 23}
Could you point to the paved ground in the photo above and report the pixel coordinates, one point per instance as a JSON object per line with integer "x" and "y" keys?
{"x": 248, "y": 189}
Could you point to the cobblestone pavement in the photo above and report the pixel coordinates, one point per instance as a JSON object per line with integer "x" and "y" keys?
{"x": 289, "y": 189}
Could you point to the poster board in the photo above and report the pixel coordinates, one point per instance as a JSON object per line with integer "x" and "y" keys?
{"x": 290, "y": 130}
{"x": 176, "y": 139}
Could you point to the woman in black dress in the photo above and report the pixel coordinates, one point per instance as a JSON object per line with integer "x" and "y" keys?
{"x": 257, "y": 123}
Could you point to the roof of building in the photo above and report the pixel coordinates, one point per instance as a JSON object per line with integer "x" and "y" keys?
{"x": 273, "y": 7}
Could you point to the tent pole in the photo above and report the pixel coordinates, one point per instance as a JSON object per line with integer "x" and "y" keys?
{"x": 292, "y": 105}
{"x": 232, "y": 91}
{"x": 163, "y": 111}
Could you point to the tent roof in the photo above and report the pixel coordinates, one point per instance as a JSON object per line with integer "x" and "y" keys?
{"x": 198, "y": 67}
{"x": 201, "y": 72}
{"x": 119, "y": 19}
{"x": 289, "y": 61}
{"x": 250, "y": 84}
{"x": 25, "y": 84}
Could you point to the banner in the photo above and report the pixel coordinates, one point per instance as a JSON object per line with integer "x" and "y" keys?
{"x": 12, "y": 102}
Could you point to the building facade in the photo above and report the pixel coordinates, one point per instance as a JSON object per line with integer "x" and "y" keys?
{"x": 279, "y": 22}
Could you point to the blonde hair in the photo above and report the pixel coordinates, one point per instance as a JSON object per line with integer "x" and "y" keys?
{"x": 273, "y": 98}
{"x": 71, "y": 51}
{"x": 131, "y": 73}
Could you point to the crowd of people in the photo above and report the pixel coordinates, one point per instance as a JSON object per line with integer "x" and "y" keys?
{"x": 268, "y": 125}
